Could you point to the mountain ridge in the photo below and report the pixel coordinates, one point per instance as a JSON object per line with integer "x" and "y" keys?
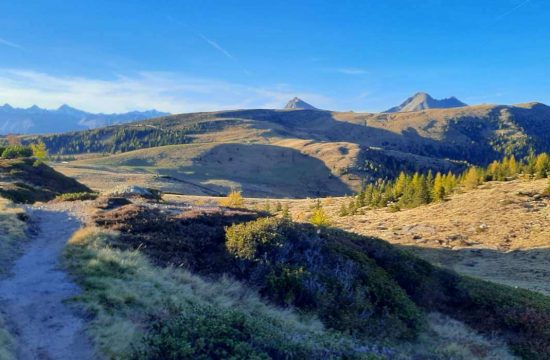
{"x": 35, "y": 119}
{"x": 424, "y": 101}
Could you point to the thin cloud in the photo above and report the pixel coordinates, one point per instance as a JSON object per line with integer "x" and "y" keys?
{"x": 172, "y": 92}
{"x": 10, "y": 44}
{"x": 216, "y": 46}
{"x": 509, "y": 12}
{"x": 351, "y": 71}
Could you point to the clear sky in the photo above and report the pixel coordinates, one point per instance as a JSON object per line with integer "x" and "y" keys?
{"x": 182, "y": 56}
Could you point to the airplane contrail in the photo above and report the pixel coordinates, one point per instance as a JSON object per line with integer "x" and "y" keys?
{"x": 216, "y": 46}
{"x": 10, "y": 44}
{"x": 512, "y": 10}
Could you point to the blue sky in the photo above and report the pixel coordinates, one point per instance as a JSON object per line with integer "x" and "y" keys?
{"x": 201, "y": 55}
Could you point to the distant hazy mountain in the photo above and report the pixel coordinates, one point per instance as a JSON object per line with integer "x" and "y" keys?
{"x": 298, "y": 103}
{"x": 422, "y": 101}
{"x": 36, "y": 120}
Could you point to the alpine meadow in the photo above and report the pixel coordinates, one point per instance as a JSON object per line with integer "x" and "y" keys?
{"x": 244, "y": 180}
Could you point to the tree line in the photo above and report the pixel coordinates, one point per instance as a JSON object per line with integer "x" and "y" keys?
{"x": 112, "y": 140}
{"x": 412, "y": 190}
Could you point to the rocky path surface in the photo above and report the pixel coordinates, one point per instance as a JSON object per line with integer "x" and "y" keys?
{"x": 32, "y": 299}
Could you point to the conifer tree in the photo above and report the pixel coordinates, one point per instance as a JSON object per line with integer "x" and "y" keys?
{"x": 319, "y": 217}
{"x": 343, "y": 210}
{"x": 438, "y": 189}
{"x": 400, "y": 185}
{"x": 512, "y": 166}
{"x": 471, "y": 178}
{"x": 542, "y": 165}
{"x": 286, "y": 212}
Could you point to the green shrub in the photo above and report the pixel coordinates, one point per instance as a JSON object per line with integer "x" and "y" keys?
{"x": 292, "y": 265}
{"x": 342, "y": 276}
{"x": 521, "y": 316}
{"x": 77, "y": 196}
{"x": 207, "y": 332}
{"x": 16, "y": 151}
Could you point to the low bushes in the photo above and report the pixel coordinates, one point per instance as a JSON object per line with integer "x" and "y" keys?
{"x": 79, "y": 196}
{"x": 365, "y": 285}
{"x": 194, "y": 240}
{"x": 292, "y": 265}
{"x": 522, "y": 317}
{"x": 16, "y": 151}
{"x": 144, "y": 312}
{"x": 354, "y": 284}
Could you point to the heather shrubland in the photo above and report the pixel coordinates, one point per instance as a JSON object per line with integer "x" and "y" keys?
{"x": 358, "y": 288}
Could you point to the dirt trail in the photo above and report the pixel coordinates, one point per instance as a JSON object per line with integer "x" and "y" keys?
{"x": 32, "y": 299}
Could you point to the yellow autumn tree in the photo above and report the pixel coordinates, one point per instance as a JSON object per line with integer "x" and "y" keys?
{"x": 233, "y": 199}
{"x": 319, "y": 217}
{"x": 39, "y": 150}
{"x": 438, "y": 190}
{"x": 471, "y": 179}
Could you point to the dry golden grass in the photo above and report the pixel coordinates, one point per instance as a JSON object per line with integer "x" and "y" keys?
{"x": 492, "y": 232}
{"x": 269, "y": 170}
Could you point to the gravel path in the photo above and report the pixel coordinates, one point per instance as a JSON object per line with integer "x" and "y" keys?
{"x": 32, "y": 299}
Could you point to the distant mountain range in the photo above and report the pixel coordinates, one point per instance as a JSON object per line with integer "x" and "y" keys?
{"x": 35, "y": 120}
{"x": 423, "y": 101}
{"x": 299, "y": 104}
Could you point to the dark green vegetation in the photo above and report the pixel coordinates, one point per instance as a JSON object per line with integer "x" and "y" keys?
{"x": 275, "y": 249}
{"x": 409, "y": 191}
{"x": 80, "y": 196}
{"x": 356, "y": 285}
{"x": 26, "y": 180}
{"x": 293, "y": 266}
{"x": 15, "y": 151}
{"x": 114, "y": 139}
{"x": 208, "y": 333}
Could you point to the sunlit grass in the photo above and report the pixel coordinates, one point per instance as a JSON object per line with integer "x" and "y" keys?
{"x": 12, "y": 233}
{"x": 125, "y": 293}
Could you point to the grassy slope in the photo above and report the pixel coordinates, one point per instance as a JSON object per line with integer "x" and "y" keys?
{"x": 261, "y": 170}
{"x": 497, "y": 232}
{"x": 284, "y": 168}
{"x": 127, "y": 296}
{"x": 28, "y": 181}
{"x": 12, "y": 233}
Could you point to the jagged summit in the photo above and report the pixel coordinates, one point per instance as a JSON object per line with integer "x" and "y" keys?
{"x": 422, "y": 101}
{"x": 298, "y": 103}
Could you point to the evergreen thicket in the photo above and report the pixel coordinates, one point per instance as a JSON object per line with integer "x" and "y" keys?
{"x": 412, "y": 190}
